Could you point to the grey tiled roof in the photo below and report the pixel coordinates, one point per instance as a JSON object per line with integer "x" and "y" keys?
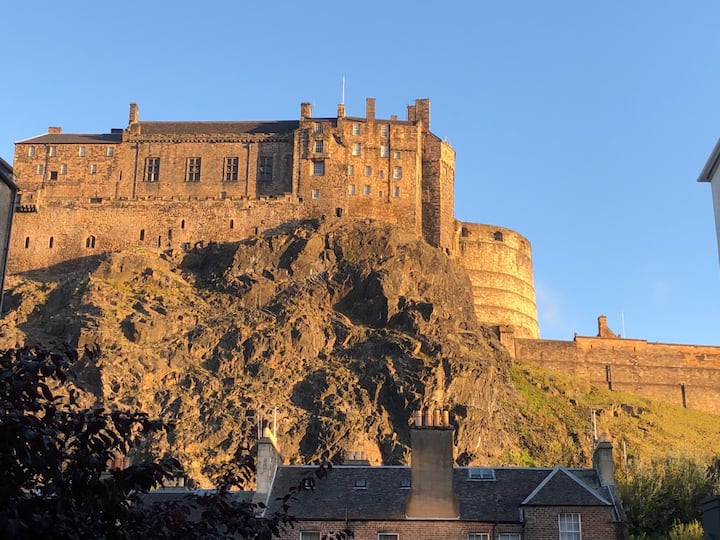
{"x": 384, "y": 498}
{"x": 218, "y": 128}
{"x": 6, "y": 174}
{"x": 74, "y": 138}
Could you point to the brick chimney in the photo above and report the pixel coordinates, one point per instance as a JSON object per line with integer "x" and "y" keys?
{"x": 370, "y": 110}
{"x": 710, "y": 516}
{"x": 268, "y": 460}
{"x": 431, "y": 494}
{"x": 422, "y": 112}
{"x": 603, "y": 329}
{"x": 54, "y": 129}
{"x": 341, "y": 110}
{"x": 603, "y": 461}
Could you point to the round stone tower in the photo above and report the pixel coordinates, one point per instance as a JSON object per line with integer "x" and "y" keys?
{"x": 499, "y": 263}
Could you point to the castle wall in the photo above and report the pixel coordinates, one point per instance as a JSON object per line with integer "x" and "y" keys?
{"x": 438, "y": 196}
{"x": 685, "y": 375}
{"x": 69, "y": 230}
{"x": 499, "y": 264}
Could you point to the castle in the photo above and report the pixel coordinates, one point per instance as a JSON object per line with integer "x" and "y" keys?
{"x": 168, "y": 185}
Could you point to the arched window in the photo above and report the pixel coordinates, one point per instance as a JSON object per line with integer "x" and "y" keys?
{"x": 27, "y": 242}
{"x": 142, "y": 234}
{"x": 497, "y": 235}
{"x": 232, "y": 223}
{"x": 182, "y": 224}
{"x": 90, "y": 242}
{"x": 50, "y": 242}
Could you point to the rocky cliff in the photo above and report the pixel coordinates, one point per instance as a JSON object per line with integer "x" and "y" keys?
{"x": 335, "y": 333}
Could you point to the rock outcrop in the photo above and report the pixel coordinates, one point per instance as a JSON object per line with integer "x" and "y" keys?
{"x": 334, "y": 333}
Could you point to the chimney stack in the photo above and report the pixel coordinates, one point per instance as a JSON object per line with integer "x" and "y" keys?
{"x": 54, "y": 129}
{"x": 268, "y": 460}
{"x": 133, "y": 119}
{"x": 341, "y": 110}
{"x": 603, "y": 329}
{"x": 432, "y": 495}
{"x": 305, "y": 111}
{"x": 370, "y": 110}
{"x": 422, "y": 112}
{"x": 603, "y": 461}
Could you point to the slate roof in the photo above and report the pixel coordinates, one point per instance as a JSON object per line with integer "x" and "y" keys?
{"x": 384, "y": 498}
{"x": 74, "y": 138}
{"x": 6, "y": 174}
{"x": 218, "y": 128}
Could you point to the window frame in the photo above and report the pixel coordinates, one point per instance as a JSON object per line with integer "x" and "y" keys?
{"x": 52, "y": 151}
{"x": 356, "y": 149}
{"x": 367, "y": 190}
{"x": 231, "y": 168}
{"x": 63, "y": 168}
{"x": 265, "y": 168}
{"x": 318, "y": 168}
{"x": 356, "y": 128}
{"x": 319, "y": 146}
{"x": 315, "y": 194}
{"x": 384, "y": 150}
{"x": 305, "y": 535}
{"x": 31, "y": 151}
{"x": 93, "y": 168}
{"x": 351, "y": 170}
{"x": 478, "y": 536}
{"x": 570, "y": 526}
{"x": 110, "y": 151}
{"x": 509, "y": 536}
{"x": 82, "y": 151}
{"x": 368, "y": 170}
{"x": 152, "y": 170}
{"x": 397, "y": 172}
{"x": 481, "y": 473}
{"x": 396, "y": 191}
{"x": 193, "y": 169}
{"x": 384, "y": 130}
{"x": 352, "y": 189}
{"x": 388, "y": 536}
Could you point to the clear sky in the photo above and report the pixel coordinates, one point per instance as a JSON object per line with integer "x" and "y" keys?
{"x": 581, "y": 125}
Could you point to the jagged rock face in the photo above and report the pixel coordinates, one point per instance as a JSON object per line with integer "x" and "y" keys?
{"x": 339, "y": 331}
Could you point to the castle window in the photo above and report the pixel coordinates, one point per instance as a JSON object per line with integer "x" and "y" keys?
{"x": 52, "y": 151}
{"x": 380, "y": 194}
{"x": 63, "y": 168}
{"x": 193, "y": 169}
{"x": 356, "y": 129}
{"x": 110, "y": 151}
{"x": 90, "y": 242}
{"x": 397, "y": 173}
{"x": 384, "y": 130}
{"x": 384, "y": 150}
{"x": 338, "y": 212}
{"x": 27, "y": 242}
{"x": 464, "y": 232}
{"x": 396, "y": 191}
{"x": 368, "y": 170}
{"x": 93, "y": 169}
{"x": 152, "y": 169}
{"x": 142, "y": 234}
{"x": 182, "y": 224}
{"x": 366, "y": 189}
{"x": 232, "y": 223}
{"x": 31, "y": 151}
{"x": 319, "y": 147}
{"x": 81, "y": 151}
{"x": 381, "y": 174}
{"x": 40, "y": 169}
{"x": 315, "y": 193}
{"x": 265, "y": 168}
{"x": 318, "y": 168}
{"x": 231, "y": 169}
{"x": 51, "y": 242}
{"x": 356, "y": 149}
{"x": 317, "y": 127}
{"x": 396, "y": 155}
{"x": 351, "y": 189}
{"x": 351, "y": 170}
{"x": 569, "y": 525}
{"x": 53, "y": 175}
{"x": 159, "y": 241}
{"x": 497, "y": 235}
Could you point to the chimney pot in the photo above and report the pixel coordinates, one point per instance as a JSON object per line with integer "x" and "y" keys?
{"x": 446, "y": 418}
{"x": 418, "y": 418}
{"x": 428, "y": 418}
{"x": 437, "y": 419}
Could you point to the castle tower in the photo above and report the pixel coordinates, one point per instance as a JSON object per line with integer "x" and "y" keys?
{"x": 499, "y": 264}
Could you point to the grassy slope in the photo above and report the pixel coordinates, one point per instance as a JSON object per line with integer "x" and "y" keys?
{"x": 556, "y": 409}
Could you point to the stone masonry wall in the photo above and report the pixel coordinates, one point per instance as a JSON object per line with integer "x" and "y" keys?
{"x": 685, "y": 375}
{"x": 499, "y": 264}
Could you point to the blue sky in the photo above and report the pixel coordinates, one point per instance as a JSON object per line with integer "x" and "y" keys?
{"x": 583, "y": 126}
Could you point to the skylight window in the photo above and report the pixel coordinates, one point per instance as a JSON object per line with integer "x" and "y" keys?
{"x": 481, "y": 473}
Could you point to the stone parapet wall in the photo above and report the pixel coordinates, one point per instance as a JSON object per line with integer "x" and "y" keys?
{"x": 685, "y": 375}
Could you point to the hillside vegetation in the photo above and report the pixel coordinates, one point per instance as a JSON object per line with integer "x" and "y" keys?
{"x": 333, "y": 332}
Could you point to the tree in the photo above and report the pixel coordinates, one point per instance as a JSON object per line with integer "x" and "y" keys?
{"x": 55, "y": 477}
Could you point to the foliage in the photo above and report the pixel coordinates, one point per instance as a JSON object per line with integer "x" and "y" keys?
{"x": 665, "y": 497}
{"x": 55, "y": 479}
{"x": 687, "y": 531}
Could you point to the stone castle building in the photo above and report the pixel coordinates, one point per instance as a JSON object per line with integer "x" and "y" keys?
{"x": 179, "y": 184}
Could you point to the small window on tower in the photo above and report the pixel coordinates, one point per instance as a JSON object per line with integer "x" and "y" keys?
{"x": 81, "y": 151}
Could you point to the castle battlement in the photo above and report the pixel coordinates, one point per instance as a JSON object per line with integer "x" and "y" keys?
{"x": 166, "y": 184}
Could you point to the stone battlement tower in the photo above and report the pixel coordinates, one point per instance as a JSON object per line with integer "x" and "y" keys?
{"x": 177, "y": 184}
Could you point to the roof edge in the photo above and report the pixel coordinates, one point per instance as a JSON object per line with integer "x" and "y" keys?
{"x": 711, "y": 165}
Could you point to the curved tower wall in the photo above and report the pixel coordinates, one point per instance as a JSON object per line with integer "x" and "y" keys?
{"x": 499, "y": 263}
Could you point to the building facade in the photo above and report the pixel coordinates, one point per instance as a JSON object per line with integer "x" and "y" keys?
{"x": 433, "y": 500}
{"x": 171, "y": 185}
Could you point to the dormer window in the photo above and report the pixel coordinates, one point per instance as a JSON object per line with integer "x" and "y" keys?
{"x": 481, "y": 473}
{"x": 405, "y": 483}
